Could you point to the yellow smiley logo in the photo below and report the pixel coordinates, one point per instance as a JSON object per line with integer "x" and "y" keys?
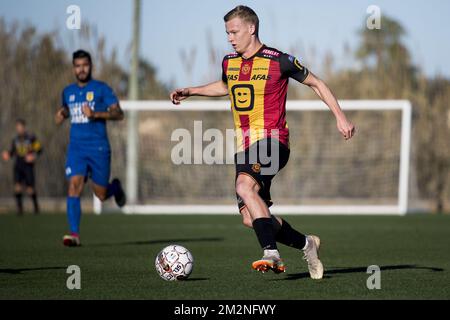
{"x": 243, "y": 97}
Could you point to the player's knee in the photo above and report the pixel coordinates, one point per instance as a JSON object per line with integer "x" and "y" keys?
{"x": 17, "y": 188}
{"x": 75, "y": 189}
{"x": 30, "y": 190}
{"x": 101, "y": 196}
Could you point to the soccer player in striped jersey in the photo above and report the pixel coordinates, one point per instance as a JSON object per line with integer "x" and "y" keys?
{"x": 256, "y": 79}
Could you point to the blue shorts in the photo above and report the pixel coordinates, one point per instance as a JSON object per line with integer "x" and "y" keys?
{"x": 90, "y": 162}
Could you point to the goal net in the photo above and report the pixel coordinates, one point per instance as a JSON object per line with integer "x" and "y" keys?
{"x": 179, "y": 159}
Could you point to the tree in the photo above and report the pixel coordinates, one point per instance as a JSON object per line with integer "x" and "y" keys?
{"x": 34, "y": 70}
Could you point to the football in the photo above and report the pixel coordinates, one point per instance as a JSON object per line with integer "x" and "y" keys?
{"x": 174, "y": 262}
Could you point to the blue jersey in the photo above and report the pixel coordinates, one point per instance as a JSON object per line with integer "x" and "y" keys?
{"x": 99, "y": 97}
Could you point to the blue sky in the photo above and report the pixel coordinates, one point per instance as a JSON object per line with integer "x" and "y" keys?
{"x": 307, "y": 29}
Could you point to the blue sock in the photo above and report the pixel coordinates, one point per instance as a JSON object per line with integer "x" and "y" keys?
{"x": 112, "y": 189}
{"x": 74, "y": 214}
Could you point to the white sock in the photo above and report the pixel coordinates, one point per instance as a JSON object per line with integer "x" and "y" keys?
{"x": 272, "y": 253}
{"x": 306, "y": 243}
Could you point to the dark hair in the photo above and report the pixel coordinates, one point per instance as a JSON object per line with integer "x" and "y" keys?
{"x": 245, "y": 13}
{"x": 79, "y": 54}
{"x": 21, "y": 121}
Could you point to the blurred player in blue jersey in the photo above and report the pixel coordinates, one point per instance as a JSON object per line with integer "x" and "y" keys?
{"x": 89, "y": 104}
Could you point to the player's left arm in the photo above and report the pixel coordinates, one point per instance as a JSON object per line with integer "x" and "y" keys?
{"x": 291, "y": 67}
{"x": 345, "y": 127}
{"x": 114, "y": 111}
{"x": 36, "y": 149}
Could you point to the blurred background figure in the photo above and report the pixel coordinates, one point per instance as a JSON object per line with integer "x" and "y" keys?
{"x": 25, "y": 147}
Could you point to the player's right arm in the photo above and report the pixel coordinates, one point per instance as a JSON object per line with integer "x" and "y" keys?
{"x": 6, "y": 155}
{"x": 63, "y": 112}
{"x": 61, "y": 115}
{"x": 214, "y": 89}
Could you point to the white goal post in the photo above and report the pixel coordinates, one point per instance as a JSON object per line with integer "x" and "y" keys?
{"x": 397, "y": 171}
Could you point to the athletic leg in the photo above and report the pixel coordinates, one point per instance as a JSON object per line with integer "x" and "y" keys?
{"x": 30, "y": 184}
{"x": 284, "y": 233}
{"x": 76, "y": 185}
{"x": 258, "y": 213}
{"x": 32, "y": 193}
{"x": 100, "y": 164}
{"x": 19, "y": 199}
{"x": 114, "y": 188}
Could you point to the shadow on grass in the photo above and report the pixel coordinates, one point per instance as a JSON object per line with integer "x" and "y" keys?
{"x": 344, "y": 270}
{"x": 196, "y": 279}
{"x": 150, "y": 242}
{"x": 19, "y": 271}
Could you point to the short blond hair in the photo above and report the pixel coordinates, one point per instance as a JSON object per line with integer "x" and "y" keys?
{"x": 245, "y": 13}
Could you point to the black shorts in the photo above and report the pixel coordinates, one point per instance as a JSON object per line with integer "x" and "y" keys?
{"x": 24, "y": 174}
{"x": 261, "y": 161}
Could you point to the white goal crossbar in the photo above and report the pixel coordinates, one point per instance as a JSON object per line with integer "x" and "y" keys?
{"x": 400, "y": 208}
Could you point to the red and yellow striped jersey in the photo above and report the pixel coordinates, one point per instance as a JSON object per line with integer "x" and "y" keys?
{"x": 257, "y": 87}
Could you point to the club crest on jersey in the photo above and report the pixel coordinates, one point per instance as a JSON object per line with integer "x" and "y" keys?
{"x": 72, "y": 98}
{"x": 245, "y": 69}
{"x": 256, "y": 168}
{"x": 90, "y": 96}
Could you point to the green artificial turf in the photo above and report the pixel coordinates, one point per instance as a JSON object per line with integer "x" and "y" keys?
{"x": 118, "y": 252}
